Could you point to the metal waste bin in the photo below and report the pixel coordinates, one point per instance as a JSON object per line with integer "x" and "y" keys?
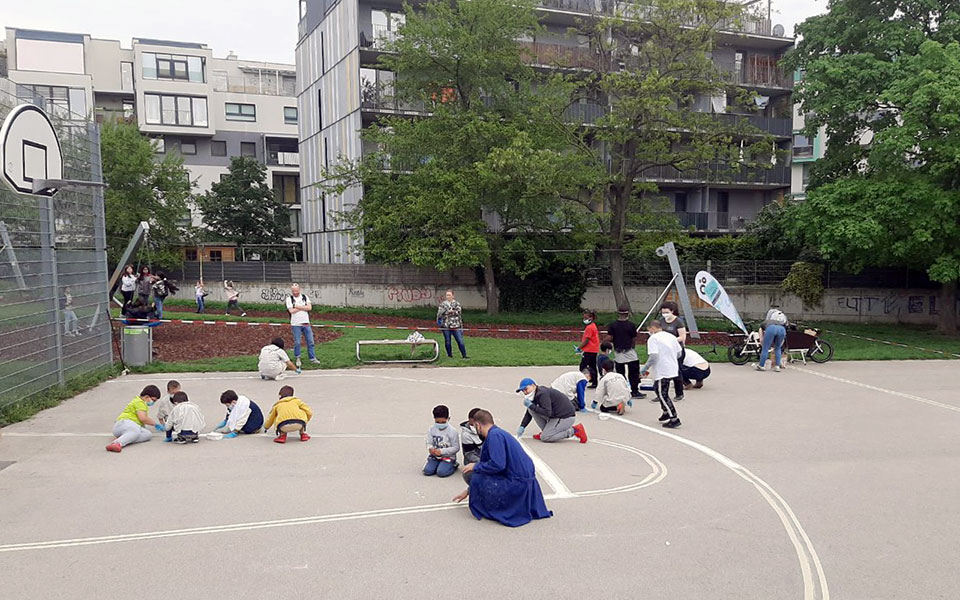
{"x": 137, "y": 345}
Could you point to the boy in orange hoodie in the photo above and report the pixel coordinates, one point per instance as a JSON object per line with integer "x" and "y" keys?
{"x": 290, "y": 414}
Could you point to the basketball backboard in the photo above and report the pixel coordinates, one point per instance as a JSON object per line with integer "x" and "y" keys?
{"x": 30, "y": 151}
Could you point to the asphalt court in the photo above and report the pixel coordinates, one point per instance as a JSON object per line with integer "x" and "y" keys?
{"x": 826, "y": 480}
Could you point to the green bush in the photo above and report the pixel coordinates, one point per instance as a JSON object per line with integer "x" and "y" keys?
{"x": 805, "y": 281}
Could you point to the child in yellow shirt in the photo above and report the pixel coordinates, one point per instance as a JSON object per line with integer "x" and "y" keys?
{"x": 290, "y": 414}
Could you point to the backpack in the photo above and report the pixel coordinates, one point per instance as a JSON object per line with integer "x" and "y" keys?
{"x": 160, "y": 289}
{"x": 777, "y": 316}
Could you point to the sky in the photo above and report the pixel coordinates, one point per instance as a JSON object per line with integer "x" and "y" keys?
{"x": 263, "y": 30}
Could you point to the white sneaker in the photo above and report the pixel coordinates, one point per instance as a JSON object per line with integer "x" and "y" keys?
{"x": 243, "y": 314}
{"x": 776, "y": 369}
{"x": 315, "y": 361}
{"x": 758, "y": 367}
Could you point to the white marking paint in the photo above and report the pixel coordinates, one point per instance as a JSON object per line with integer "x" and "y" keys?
{"x": 548, "y": 474}
{"x": 879, "y": 389}
{"x": 655, "y": 477}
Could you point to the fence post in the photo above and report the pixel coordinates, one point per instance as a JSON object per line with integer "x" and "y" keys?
{"x": 48, "y": 225}
{"x": 263, "y": 270}
{"x": 709, "y": 266}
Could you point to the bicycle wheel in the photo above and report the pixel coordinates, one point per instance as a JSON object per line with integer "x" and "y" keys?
{"x": 736, "y": 354}
{"x": 821, "y": 352}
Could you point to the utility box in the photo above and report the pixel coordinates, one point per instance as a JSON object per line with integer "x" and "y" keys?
{"x": 137, "y": 345}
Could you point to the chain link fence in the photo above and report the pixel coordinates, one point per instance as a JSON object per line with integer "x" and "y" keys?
{"x": 54, "y": 320}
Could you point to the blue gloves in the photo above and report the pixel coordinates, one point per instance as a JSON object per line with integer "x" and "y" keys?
{"x": 527, "y": 403}
{"x": 593, "y": 405}
{"x": 577, "y": 349}
{"x": 232, "y": 434}
{"x": 168, "y": 439}
{"x": 299, "y": 370}
{"x": 520, "y": 431}
{"x": 159, "y": 427}
{"x": 630, "y": 402}
{"x": 221, "y": 424}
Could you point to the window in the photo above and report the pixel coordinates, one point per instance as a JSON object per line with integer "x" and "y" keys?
{"x": 248, "y": 149}
{"x": 158, "y": 145}
{"x": 326, "y": 160}
{"x": 128, "y": 109}
{"x": 218, "y": 148}
{"x": 680, "y": 202}
{"x": 78, "y": 101}
{"x": 290, "y": 115}
{"x": 173, "y": 66}
{"x": 286, "y": 188}
{"x": 216, "y": 256}
{"x": 126, "y": 76}
{"x": 806, "y": 176}
{"x": 323, "y": 56}
{"x": 188, "y": 148}
{"x": 303, "y": 9}
{"x": 62, "y": 101}
{"x": 175, "y": 110}
{"x": 320, "y": 106}
{"x": 802, "y": 146}
{"x": 241, "y": 112}
{"x": 190, "y": 254}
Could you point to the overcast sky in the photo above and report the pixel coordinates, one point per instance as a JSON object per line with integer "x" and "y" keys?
{"x": 254, "y": 29}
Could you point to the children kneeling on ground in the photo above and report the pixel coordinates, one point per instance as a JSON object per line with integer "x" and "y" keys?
{"x": 131, "y": 426}
{"x": 443, "y": 444}
{"x": 470, "y": 442}
{"x": 613, "y": 392}
{"x": 243, "y": 415}
{"x": 164, "y": 406}
{"x": 290, "y": 414}
{"x": 185, "y": 421}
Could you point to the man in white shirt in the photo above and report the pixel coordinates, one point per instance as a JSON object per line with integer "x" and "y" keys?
{"x": 694, "y": 370}
{"x": 274, "y": 360}
{"x": 298, "y": 305}
{"x": 663, "y": 354}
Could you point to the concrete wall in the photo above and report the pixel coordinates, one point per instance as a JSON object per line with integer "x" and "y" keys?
{"x": 343, "y": 294}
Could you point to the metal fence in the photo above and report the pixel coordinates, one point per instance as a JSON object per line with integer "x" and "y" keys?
{"x": 52, "y": 248}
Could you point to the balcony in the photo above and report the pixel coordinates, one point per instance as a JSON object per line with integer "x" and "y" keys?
{"x": 758, "y": 71}
{"x": 376, "y": 100}
{"x": 773, "y": 126}
{"x": 777, "y": 176}
{"x": 585, "y": 7}
{"x": 803, "y": 152}
{"x": 283, "y": 159}
{"x": 584, "y": 112}
{"x": 263, "y": 82}
{"x": 558, "y": 56}
{"x": 699, "y": 221}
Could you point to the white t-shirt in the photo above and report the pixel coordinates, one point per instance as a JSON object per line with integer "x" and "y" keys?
{"x": 667, "y": 349}
{"x": 273, "y": 361}
{"x": 128, "y": 283}
{"x": 692, "y": 359}
{"x": 567, "y": 383}
{"x": 300, "y": 317}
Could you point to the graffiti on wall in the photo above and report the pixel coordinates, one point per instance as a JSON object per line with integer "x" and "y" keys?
{"x": 280, "y": 294}
{"x": 891, "y": 304}
{"x": 399, "y": 293}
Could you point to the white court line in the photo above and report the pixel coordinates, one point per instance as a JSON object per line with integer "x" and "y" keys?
{"x": 879, "y": 389}
{"x": 806, "y": 554}
{"x": 318, "y": 435}
{"x": 549, "y": 475}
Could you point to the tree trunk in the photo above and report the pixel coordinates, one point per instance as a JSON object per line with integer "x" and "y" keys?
{"x": 616, "y": 278}
{"x": 947, "y": 323}
{"x": 490, "y": 283}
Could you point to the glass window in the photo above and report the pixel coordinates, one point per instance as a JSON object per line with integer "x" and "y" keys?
{"x": 78, "y": 102}
{"x": 195, "y": 68}
{"x": 184, "y": 115}
{"x": 218, "y": 148}
{"x": 379, "y": 18}
{"x": 290, "y": 115}
{"x": 128, "y": 109}
{"x": 216, "y": 256}
{"x": 168, "y": 110}
{"x": 303, "y": 9}
{"x": 200, "y": 112}
{"x": 152, "y": 106}
{"x": 158, "y": 145}
{"x": 188, "y": 147}
{"x": 190, "y": 254}
{"x": 149, "y": 63}
{"x": 248, "y": 149}
{"x": 241, "y": 112}
{"x": 126, "y": 76}
{"x": 800, "y": 140}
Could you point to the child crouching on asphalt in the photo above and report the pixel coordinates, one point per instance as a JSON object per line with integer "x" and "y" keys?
{"x": 243, "y": 415}
{"x": 131, "y": 426}
{"x": 613, "y": 391}
{"x": 164, "y": 406}
{"x": 470, "y": 442}
{"x": 185, "y": 421}
{"x": 290, "y": 414}
{"x": 443, "y": 444}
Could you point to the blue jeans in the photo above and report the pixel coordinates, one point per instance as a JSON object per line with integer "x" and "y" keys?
{"x": 774, "y": 334}
{"x": 458, "y": 334}
{"x": 159, "y": 302}
{"x": 201, "y": 305}
{"x": 440, "y": 468}
{"x": 307, "y": 332}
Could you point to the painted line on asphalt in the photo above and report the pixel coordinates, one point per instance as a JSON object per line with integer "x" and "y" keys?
{"x": 879, "y": 389}
{"x": 549, "y": 475}
{"x": 813, "y": 589}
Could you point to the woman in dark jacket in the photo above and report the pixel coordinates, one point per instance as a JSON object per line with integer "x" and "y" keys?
{"x": 144, "y": 285}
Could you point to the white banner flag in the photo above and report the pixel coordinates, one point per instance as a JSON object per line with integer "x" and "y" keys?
{"x": 711, "y": 292}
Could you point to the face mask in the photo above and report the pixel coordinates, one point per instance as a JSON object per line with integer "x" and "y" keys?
{"x": 586, "y": 321}
{"x": 528, "y": 396}
{"x": 668, "y": 316}
{"x": 442, "y": 426}
{"x": 151, "y": 403}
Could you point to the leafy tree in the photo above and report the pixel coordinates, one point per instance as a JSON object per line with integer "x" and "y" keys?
{"x": 653, "y": 63}
{"x": 140, "y": 188}
{"x": 242, "y": 208}
{"x": 443, "y": 191}
{"x": 883, "y": 78}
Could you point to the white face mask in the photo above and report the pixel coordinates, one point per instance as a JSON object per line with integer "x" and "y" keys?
{"x": 668, "y": 316}
{"x": 586, "y": 321}
{"x": 529, "y": 396}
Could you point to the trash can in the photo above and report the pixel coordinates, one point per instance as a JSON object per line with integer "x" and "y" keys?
{"x": 137, "y": 345}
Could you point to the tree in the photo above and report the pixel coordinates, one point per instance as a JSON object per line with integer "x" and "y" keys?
{"x": 653, "y": 62}
{"x": 883, "y": 79}
{"x": 242, "y": 208}
{"x": 445, "y": 191}
{"x": 140, "y": 188}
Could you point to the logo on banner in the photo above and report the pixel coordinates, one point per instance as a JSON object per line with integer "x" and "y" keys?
{"x": 710, "y": 291}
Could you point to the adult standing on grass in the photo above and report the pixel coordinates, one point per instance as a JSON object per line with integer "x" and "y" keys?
{"x": 299, "y": 307}
{"x": 623, "y": 334}
{"x": 450, "y": 320}
{"x": 773, "y": 331}
{"x": 503, "y": 485}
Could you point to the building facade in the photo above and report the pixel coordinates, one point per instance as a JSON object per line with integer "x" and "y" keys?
{"x": 338, "y": 83}
{"x": 205, "y": 109}
{"x": 806, "y": 151}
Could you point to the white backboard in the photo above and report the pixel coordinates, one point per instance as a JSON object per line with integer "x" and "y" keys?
{"x": 29, "y": 149}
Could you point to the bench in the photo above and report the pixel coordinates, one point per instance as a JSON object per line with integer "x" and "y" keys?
{"x": 436, "y": 350}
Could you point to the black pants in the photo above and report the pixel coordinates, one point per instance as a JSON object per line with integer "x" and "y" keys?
{"x": 665, "y": 402}
{"x": 607, "y": 409}
{"x": 187, "y": 436}
{"x": 634, "y": 368}
{"x": 127, "y": 296}
{"x": 589, "y": 362}
{"x": 694, "y": 374}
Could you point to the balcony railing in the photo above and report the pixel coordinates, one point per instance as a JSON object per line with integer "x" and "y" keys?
{"x": 559, "y": 56}
{"x": 383, "y": 35}
{"x": 384, "y": 101}
{"x": 698, "y": 221}
{"x": 587, "y": 7}
{"x": 748, "y": 23}
{"x": 584, "y": 112}
{"x": 721, "y": 173}
{"x": 778, "y": 127}
{"x": 766, "y": 74}
{"x": 803, "y": 151}
{"x": 283, "y": 159}
{"x": 269, "y": 84}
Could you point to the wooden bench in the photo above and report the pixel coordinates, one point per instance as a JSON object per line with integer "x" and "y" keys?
{"x": 436, "y": 350}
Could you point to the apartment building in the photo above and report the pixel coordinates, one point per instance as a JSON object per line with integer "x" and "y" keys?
{"x": 806, "y": 151}
{"x": 204, "y": 108}
{"x": 340, "y": 93}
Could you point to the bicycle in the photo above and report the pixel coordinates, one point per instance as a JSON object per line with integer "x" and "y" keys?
{"x": 804, "y": 344}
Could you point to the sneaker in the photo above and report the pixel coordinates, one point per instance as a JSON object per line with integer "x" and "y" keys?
{"x": 181, "y": 440}
{"x": 279, "y": 377}
{"x": 195, "y": 440}
{"x": 315, "y": 361}
{"x": 303, "y": 436}
{"x": 580, "y": 432}
{"x": 688, "y": 386}
{"x": 281, "y": 439}
{"x": 243, "y": 314}
{"x": 620, "y": 408}
{"x": 536, "y": 436}
{"x": 466, "y": 358}
{"x": 114, "y": 447}
{"x": 672, "y": 424}
{"x": 759, "y": 367}
{"x": 698, "y": 385}
{"x": 263, "y": 378}
{"x": 678, "y": 398}
{"x": 166, "y": 439}
{"x": 776, "y": 369}
{"x": 637, "y": 395}
{"x": 664, "y": 418}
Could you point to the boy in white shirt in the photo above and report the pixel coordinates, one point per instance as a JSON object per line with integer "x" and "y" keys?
{"x": 165, "y": 406}
{"x": 694, "y": 370}
{"x": 186, "y": 421}
{"x": 663, "y": 353}
{"x": 613, "y": 390}
{"x": 573, "y": 385}
{"x": 274, "y": 360}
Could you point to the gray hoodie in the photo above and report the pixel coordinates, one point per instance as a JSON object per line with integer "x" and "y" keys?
{"x": 447, "y": 440}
